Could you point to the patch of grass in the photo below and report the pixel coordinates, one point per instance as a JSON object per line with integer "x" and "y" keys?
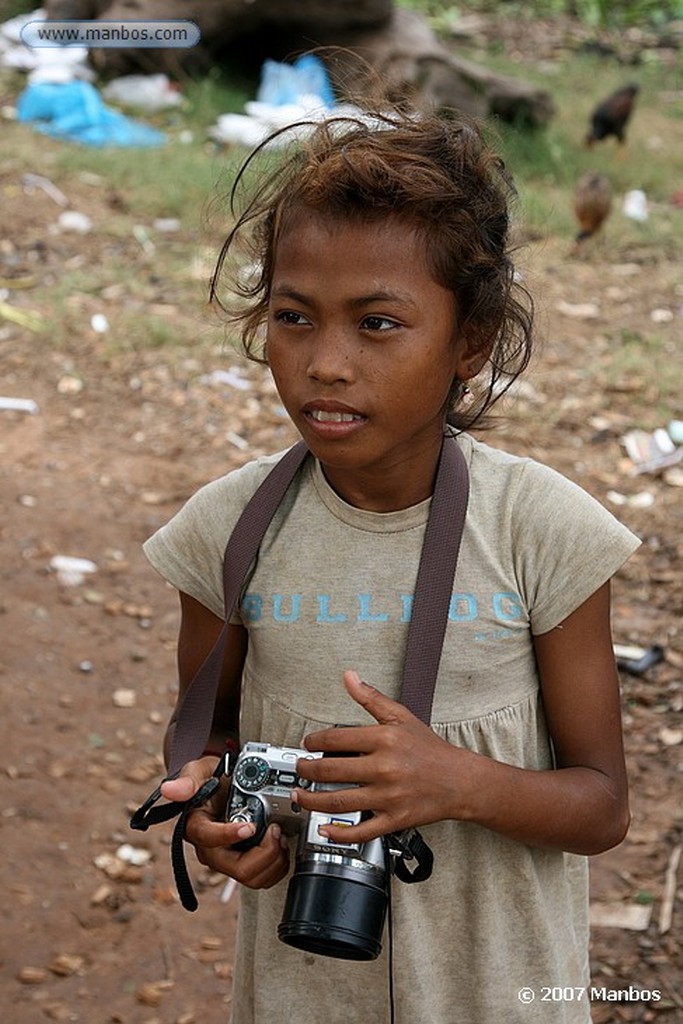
{"x": 547, "y": 163}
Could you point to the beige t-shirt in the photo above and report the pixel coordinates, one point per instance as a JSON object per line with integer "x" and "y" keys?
{"x": 332, "y": 589}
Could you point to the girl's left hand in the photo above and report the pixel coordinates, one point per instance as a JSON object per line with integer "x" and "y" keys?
{"x": 404, "y": 773}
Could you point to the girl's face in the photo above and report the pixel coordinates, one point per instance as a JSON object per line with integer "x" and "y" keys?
{"x": 364, "y": 348}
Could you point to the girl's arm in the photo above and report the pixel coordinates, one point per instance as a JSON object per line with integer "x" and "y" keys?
{"x": 267, "y": 863}
{"x": 199, "y": 630}
{"x": 410, "y": 776}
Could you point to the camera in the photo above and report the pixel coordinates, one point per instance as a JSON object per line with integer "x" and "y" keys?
{"x": 338, "y": 894}
{"x": 261, "y": 789}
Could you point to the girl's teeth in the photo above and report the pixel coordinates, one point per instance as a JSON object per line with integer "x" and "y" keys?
{"x": 333, "y": 417}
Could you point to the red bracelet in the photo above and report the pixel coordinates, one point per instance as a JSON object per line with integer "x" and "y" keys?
{"x": 231, "y": 746}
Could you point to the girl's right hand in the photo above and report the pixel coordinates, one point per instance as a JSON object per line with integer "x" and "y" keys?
{"x": 212, "y": 837}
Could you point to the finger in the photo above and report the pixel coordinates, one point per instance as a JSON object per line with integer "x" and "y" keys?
{"x": 268, "y": 862}
{"x": 370, "y": 828}
{"x": 260, "y": 867}
{"x": 343, "y": 770}
{"x": 382, "y": 709}
{"x": 202, "y": 829}
{"x": 336, "y": 801}
{"x": 193, "y": 775}
{"x": 356, "y": 739}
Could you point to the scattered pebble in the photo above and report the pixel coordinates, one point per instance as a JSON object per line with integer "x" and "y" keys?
{"x": 578, "y": 310}
{"x": 69, "y": 385}
{"x": 32, "y": 975}
{"x": 123, "y": 698}
{"x": 66, "y": 964}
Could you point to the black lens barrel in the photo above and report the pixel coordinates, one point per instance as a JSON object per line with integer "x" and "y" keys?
{"x": 334, "y": 915}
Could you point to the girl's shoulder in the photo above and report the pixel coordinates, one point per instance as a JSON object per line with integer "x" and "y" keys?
{"x": 237, "y": 485}
{"x": 529, "y": 496}
{"x": 494, "y": 469}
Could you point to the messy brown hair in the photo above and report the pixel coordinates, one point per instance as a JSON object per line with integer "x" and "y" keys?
{"x": 436, "y": 173}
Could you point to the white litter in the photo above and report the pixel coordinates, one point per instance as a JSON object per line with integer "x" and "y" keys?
{"x": 43, "y": 63}
{"x": 71, "y": 572}
{"x": 233, "y": 378}
{"x": 635, "y": 205}
{"x": 33, "y": 181}
{"x": 145, "y": 92}
{"x": 19, "y": 405}
{"x": 133, "y": 855}
{"x": 72, "y": 220}
{"x": 99, "y": 323}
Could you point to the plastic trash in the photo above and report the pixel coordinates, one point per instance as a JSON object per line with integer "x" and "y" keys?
{"x": 32, "y": 181}
{"x": 75, "y": 112}
{"x": 73, "y": 220}
{"x": 637, "y": 660}
{"x": 144, "y": 92}
{"x": 43, "y": 64}
{"x": 71, "y": 572}
{"x": 8, "y": 404}
{"x": 635, "y": 205}
{"x": 233, "y": 378}
{"x": 675, "y": 431}
{"x": 99, "y": 323}
{"x": 239, "y": 129}
{"x": 651, "y": 452}
{"x": 281, "y": 84}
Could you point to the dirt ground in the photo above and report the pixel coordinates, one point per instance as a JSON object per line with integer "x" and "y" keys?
{"x": 119, "y": 440}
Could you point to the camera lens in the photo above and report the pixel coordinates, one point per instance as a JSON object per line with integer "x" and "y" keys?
{"x": 337, "y": 912}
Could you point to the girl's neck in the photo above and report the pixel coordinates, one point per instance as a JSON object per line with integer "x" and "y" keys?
{"x": 398, "y": 487}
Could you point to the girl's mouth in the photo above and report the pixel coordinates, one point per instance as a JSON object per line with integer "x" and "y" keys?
{"x": 323, "y": 416}
{"x": 332, "y": 423}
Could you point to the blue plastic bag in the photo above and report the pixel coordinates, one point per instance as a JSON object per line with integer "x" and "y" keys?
{"x": 74, "y": 111}
{"x": 282, "y": 84}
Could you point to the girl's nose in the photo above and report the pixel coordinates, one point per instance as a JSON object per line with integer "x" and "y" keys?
{"x": 330, "y": 359}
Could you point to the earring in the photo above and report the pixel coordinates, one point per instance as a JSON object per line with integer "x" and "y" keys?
{"x": 464, "y": 393}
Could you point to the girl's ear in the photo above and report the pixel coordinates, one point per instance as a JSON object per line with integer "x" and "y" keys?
{"x": 471, "y": 360}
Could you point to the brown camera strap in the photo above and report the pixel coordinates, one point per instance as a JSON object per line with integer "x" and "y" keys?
{"x": 430, "y": 606}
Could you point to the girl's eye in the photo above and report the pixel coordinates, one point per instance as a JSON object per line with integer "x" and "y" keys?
{"x": 378, "y": 323}
{"x": 289, "y": 317}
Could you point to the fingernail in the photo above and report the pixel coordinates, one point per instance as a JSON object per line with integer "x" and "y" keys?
{"x": 276, "y": 831}
{"x": 246, "y": 830}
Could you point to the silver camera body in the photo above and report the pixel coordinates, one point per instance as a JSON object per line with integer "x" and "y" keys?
{"x": 261, "y": 789}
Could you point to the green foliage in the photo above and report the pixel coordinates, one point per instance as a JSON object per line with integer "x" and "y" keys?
{"x": 12, "y": 8}
{"x": 597, "y": 13}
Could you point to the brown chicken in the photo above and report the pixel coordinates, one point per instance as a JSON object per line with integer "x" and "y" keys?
{"x": 592, "y": 204}
{"x": 611, "y": 116}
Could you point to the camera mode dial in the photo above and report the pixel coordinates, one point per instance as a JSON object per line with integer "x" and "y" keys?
{"x": 251, "y": 773}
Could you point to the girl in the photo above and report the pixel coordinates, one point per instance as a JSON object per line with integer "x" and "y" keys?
{"x": 385, "y": 290}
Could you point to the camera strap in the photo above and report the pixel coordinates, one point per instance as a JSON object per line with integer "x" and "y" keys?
{"x": 426, "y": 630}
